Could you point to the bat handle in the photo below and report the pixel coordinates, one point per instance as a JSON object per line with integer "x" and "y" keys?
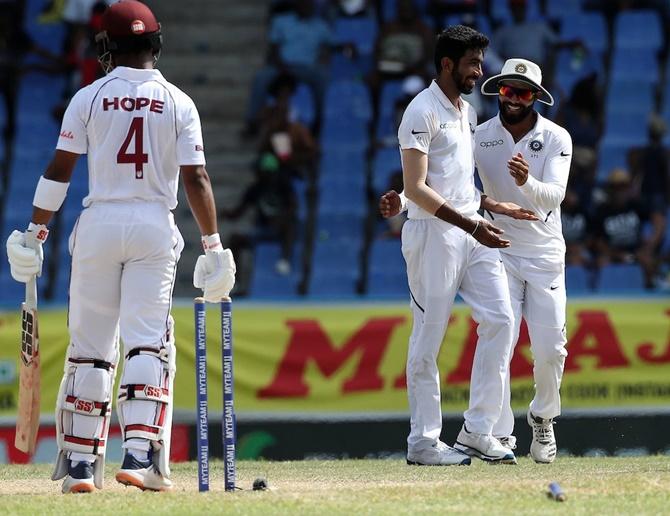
{"x": 31, "y": 292}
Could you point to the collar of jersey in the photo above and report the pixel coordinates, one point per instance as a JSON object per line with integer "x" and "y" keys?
{"x": 444, "y": 100}
{"x": 135, "y": 74}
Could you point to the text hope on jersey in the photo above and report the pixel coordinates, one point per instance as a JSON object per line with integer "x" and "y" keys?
{"x": 131, "y": 104}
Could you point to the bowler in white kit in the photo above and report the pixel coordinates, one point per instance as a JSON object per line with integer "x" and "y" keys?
{"x": 449, "y": 249}
{"x": 139, "y": 132}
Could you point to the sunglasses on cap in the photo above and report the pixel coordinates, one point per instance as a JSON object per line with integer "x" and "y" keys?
{"x": 522, "y": 93}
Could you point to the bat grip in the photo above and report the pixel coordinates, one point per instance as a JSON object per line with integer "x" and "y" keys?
{"x": 31, "y": 292}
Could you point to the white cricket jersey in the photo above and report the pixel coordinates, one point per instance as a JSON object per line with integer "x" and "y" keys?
{"x": 137, "y": 130}
{"x": 434, "y": 126}
{"x": 548, "y": 149}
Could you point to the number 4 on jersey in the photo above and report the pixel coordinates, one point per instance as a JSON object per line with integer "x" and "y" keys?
{"x": 138, "y": 158}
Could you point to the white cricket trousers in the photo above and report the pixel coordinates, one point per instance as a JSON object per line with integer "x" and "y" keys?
{"x": 124, "y": 259}
{"x": 537, "y": 293}
{"x": 442, "y": 261}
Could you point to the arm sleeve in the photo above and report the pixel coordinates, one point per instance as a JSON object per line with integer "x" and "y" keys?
{"x": 550, "y": 191}
{"x": 73, "y": 136}
{"x": 416, "y": 129}
{"x": 190, "y": 148}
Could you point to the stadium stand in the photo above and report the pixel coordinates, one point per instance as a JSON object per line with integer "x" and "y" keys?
{"x": 340, "y": 250}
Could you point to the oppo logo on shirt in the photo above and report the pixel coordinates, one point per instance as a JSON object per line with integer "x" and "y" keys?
{"x": 449, "y": 125}
{"x": 492, "y": 143}
{"x": 131, "y": 104}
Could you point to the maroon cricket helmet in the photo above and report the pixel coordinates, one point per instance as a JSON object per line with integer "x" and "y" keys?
{"x": 127, "y": 26}
{"x": 128, "y": 18}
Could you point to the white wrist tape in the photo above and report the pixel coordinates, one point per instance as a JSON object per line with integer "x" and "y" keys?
{"x": 39, "y": 231}
{"x": 49, "y": 194}
{"x": 403, "y": 201}
{"x": 211, "y": 242}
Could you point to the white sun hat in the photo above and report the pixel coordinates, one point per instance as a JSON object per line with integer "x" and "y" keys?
{"x": 520, "y": 70}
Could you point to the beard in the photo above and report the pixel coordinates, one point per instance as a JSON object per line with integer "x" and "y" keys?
{"x": 459, "y": 80}
{"x": 514, "y": 118}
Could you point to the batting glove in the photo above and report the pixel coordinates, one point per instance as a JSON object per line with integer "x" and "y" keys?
{"x": 215, "y": 270}
{"x": 24, "y": 252}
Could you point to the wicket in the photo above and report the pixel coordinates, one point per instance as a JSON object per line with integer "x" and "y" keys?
{"x": 228, "y": 421}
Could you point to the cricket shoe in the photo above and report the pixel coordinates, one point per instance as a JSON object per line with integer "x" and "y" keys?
{"x": 79, "y": 478}
{"x": 484, "y": 446}
{"x": 439, "y": 454}
{"x": 509, "y": 442}
{"x": 543, "y": 447}
{"x": 142, "y": 474}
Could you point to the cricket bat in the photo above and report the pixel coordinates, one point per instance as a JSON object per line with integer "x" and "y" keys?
{"x": 28, "y": 418}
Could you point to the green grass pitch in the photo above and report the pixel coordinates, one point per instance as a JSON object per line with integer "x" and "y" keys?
{"x": 638, "y": 486}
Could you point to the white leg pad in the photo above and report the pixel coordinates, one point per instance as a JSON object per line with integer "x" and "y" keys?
{"x": 145, "y": 399}
{"x": 83, "y": 414}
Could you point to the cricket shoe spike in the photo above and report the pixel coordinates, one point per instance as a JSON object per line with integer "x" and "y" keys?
{"x": 79, "y": 478}
{"x": 484, "y": 446}
{"x": 438, "y": 455}
{"x": 543, "y": 447}
{"x": 142, "y": 474}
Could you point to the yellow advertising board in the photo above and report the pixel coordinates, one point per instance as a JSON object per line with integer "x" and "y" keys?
{"x": 350, "y": 358}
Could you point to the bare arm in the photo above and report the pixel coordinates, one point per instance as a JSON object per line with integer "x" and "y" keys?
{"x": 414, "y": 173}
{"x": 60, "y": 169}
{"x": 200, "y": 197}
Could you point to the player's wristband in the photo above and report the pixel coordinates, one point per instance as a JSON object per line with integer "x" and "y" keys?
{"x": 211, "y": 242}
{"x": 49, "y": 194}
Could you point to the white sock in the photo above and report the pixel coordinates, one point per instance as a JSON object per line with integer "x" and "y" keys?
{"x": 76, "y": 457}
{"x": 139, "y": 454}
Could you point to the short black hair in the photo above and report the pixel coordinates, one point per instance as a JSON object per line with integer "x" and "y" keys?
{"x": 454, "y": 41}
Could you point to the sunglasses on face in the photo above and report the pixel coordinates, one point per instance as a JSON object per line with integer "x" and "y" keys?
{"x": 523, "y": 94}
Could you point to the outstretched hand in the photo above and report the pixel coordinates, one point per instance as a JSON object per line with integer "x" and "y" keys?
{"x": 389, "y": 204}
{"x": 489, "y": 235}
{"x": 515, "y": 211}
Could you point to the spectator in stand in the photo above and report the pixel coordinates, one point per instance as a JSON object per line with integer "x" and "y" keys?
{"x": 290, "y": 141}
{"x": 404, "y": 46}
{"x": 287, "y": 151}
{"x": 575, "y": 221}
{"x": 273, "y": 200}
{"x": 619, "y": 228}
{"x": 299, "y": 42}
{"x": 650, "y": 167}
{"x": 82, "y": 20}
{"x": 15, "y": 45}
